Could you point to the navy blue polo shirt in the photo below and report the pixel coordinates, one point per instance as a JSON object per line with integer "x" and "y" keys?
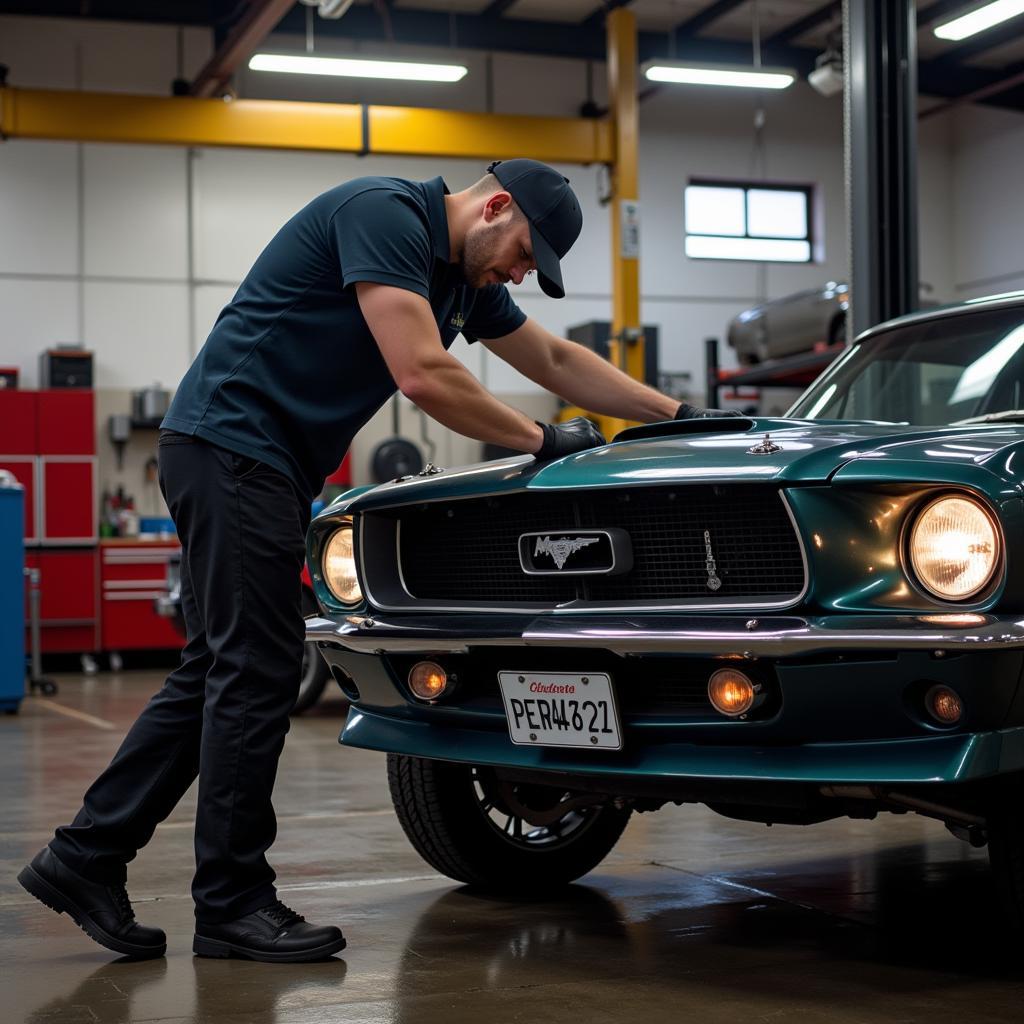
{"x": 290, "y": 371}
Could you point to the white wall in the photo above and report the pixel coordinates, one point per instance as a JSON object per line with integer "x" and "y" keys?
{"x": 100, "y": 249}
{"x": 988, "y": 215}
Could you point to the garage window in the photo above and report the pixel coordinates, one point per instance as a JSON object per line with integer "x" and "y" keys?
{"x": 729, "y": 220}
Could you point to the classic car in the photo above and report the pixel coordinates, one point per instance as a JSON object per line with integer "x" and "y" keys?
{"x": 789, "y": 620}
{"x": 794, "y": 323}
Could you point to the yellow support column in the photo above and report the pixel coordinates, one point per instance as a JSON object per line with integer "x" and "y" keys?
{"x": 627, "y": 348}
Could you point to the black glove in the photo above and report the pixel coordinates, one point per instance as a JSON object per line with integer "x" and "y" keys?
{"x": 575, "y": 435}
{"x": 693, "y": 412}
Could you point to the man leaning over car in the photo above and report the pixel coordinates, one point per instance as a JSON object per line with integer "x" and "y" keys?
{"x": 360, "y": 293}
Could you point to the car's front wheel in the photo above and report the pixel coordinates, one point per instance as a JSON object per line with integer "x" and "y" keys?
{"x": 314, "y": 669}
{"x": 504, "y": 836}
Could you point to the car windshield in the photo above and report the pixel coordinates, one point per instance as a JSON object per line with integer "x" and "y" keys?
{"x": 967, "y": 365}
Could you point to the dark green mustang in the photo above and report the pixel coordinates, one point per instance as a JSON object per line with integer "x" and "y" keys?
{"x": 789, "y": 620}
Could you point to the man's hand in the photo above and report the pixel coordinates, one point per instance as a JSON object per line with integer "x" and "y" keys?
{"x": 575, "y": 435}
{"x": 693, "y": 412}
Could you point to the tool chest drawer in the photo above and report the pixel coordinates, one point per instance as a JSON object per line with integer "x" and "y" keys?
{"x": 133, "y": 575}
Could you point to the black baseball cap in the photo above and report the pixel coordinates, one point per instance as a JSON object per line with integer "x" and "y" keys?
{"x": 552, "y": 209}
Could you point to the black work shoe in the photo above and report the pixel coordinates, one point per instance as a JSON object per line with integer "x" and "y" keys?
{"x": 272, "y": 934}
{"x": 103, "y": 912}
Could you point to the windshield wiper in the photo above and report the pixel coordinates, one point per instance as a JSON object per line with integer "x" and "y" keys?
{"x": 1006, "y": 416}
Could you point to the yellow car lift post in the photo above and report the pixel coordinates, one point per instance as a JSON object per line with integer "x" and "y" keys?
{"x": 626, "y": 348}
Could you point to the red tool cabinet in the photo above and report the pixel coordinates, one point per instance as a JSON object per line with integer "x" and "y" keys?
{"x": 133, "y": 573}
{"x": 68, "y": 605}
{"x": 48, "y": 441}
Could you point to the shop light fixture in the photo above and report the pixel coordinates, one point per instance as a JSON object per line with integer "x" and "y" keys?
{"x": 347, "y": 67}
{"x": 980, "y": 19}
{"x": 743, "y": 76}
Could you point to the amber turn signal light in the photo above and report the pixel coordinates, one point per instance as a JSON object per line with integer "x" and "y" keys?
{"x": 428, "y": 680}
{"x": 944, "y": 705}
{"x": 731, "y": 692}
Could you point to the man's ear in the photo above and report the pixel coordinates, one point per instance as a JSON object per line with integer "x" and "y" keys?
{"x": 496, "y": 205}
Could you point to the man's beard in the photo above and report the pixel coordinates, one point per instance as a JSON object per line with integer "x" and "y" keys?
{"x": 478, "y": 254}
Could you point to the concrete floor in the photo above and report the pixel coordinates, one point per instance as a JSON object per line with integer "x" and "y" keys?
{"x": 693, "y": 917}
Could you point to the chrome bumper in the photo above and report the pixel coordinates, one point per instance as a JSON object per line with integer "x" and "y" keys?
{"x": 770, "y": 636}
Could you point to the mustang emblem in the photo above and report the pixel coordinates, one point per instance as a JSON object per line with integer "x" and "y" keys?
{"x": 561, "y": 549}
{"x": 766, "y": 447}
{"x": 714, "y": 583}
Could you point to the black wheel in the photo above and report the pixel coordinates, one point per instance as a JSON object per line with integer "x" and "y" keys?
{"x": 395, "y": 457}
{"x": 315, "y": 672}
{"x": 1006, "y": 855}
{"x": 470, "y": 825}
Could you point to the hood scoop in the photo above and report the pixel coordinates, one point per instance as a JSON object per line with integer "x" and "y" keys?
{"x": 700, "y": 425}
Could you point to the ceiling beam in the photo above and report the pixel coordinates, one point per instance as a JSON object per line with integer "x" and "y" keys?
{"x": 253, "y": 27}
{"x": 596, "y": 19}
{"x": 496, "y": 8}
{"x": 805, "y": 24}
{"x": 520, "y": 35}
{"x": 179, "y": 12}
{"x": 702, "y": 19}
{"x": 587, "y": 42}
{"x": 1009, "y": 78}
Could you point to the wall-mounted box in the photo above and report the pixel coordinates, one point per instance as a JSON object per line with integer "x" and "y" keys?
{"x": 65, "y": 368}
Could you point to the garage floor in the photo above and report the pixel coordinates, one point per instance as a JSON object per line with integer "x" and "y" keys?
{"x": 693, "y": 917}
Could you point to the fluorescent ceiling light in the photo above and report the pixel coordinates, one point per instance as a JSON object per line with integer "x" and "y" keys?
{"x": 345, "y": 67}
{"x": 980, "y": 19}
{"x": 735, "y": 75}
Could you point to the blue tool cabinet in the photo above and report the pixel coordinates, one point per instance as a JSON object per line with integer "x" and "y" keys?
{"x": 12, "y": 594}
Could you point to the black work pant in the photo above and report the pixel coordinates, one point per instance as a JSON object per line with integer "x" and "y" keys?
{"x": 222, "y": 715}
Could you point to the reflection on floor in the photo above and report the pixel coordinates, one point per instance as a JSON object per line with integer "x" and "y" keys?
{"x": 693, "y": 917}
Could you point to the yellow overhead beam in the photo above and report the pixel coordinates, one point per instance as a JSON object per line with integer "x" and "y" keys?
{"x": 179, "y": 121}
{"x": 276, "y": 124}
{"x": 412, "y": 130}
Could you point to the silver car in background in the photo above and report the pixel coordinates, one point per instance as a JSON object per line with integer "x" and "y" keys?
{"x": 795, "y": 323}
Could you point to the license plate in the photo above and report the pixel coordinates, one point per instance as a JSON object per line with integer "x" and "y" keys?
{"x": 561, "y": 709}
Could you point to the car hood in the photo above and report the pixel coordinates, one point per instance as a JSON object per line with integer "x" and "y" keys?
{"x": 806, "y": 452}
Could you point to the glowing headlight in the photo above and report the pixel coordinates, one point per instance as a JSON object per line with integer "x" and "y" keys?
{"x": 339, "y": 566}
{"x": 954, "y": 548}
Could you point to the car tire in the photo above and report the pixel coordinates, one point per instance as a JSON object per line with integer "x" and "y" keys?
{"x": 443, "y": 808}
{"x": 315, "y": 672}
{"x": 1006, "y": 856}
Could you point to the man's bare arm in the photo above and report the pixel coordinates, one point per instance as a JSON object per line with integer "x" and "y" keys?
{"x": 403, "y": 325}
{"x": 580, "y": 376}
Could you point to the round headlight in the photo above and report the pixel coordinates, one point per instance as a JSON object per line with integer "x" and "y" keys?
{"x": 339, "y": 566}
{"x": 954, "y": 548}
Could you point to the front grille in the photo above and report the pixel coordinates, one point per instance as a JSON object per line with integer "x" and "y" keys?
{"x": 466, "y": 552}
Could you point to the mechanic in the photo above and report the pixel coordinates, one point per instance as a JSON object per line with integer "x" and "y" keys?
{"x": 361, "y": 292}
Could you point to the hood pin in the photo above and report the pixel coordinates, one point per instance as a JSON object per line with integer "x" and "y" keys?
{"x": 766, "y": 447}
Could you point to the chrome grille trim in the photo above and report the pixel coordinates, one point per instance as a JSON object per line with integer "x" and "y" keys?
{"x": 412, "y": 603}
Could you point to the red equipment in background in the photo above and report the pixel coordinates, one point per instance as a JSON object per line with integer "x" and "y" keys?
{"x": 48, "y": 441}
